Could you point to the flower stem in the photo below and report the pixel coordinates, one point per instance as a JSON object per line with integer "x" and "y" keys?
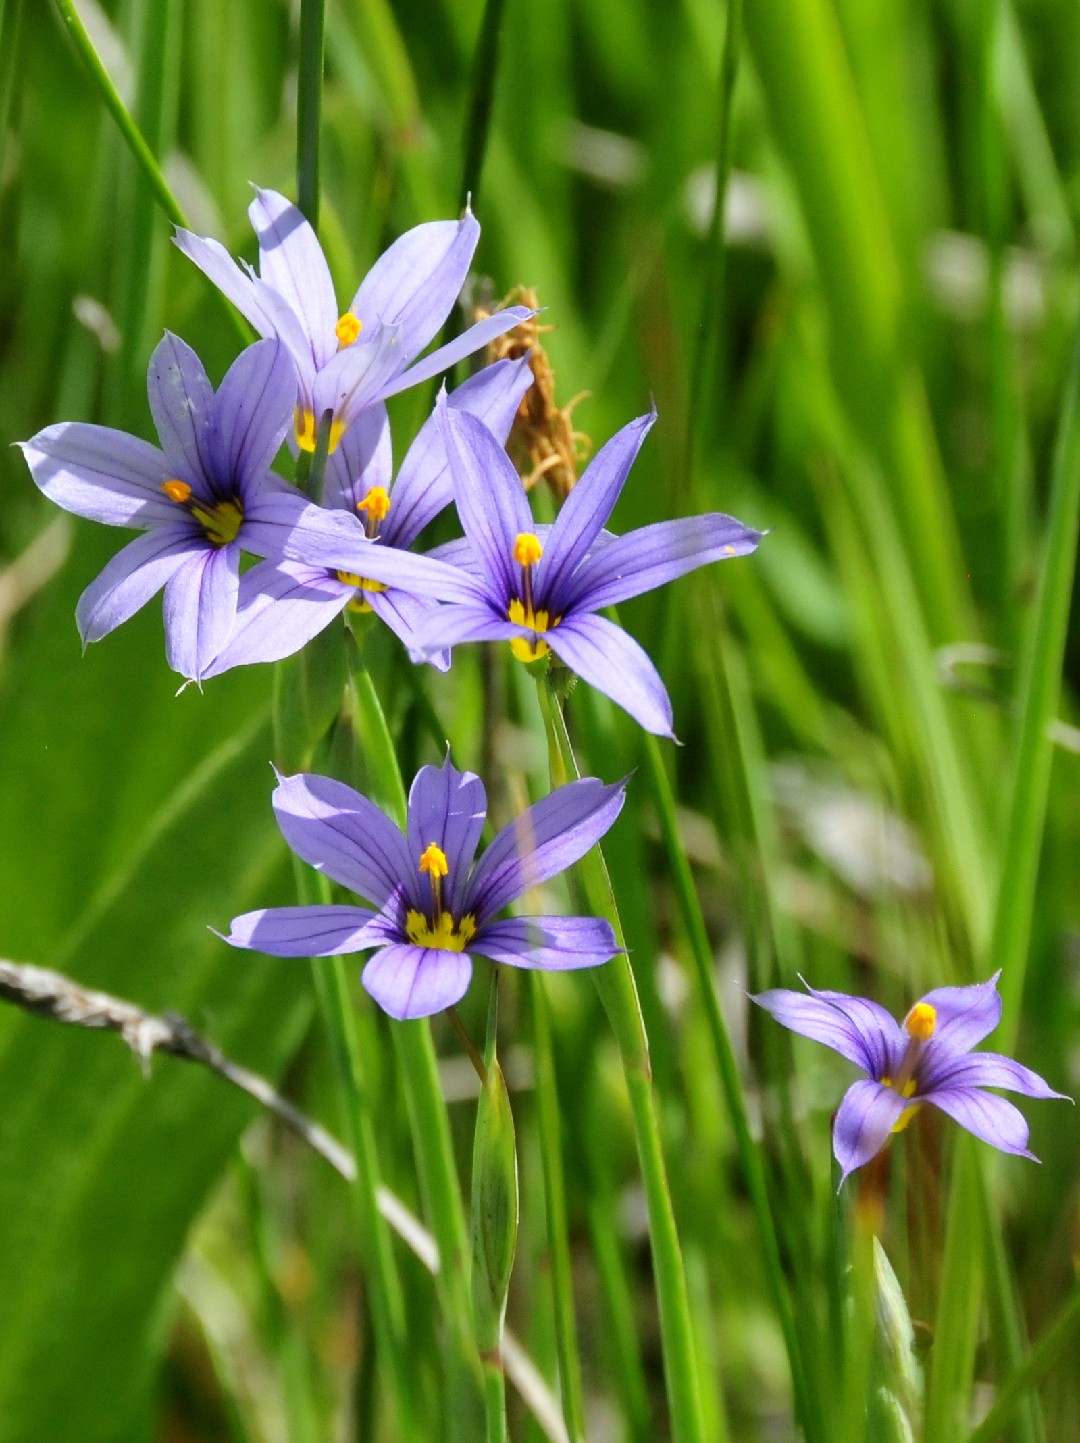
{"x": 558, "y": 1231}
{"x": 309, "y": 107}
{"x": 495, "y": 1401}
{"x": 618, "y": 992}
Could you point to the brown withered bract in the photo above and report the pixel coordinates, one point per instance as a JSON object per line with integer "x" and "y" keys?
{"x": 543, "y": 442}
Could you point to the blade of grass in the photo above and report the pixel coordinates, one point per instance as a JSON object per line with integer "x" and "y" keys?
{"x": 1035, "y": 1365}
{"x": 309, "y": 107}
{"x": 485, "y": 73}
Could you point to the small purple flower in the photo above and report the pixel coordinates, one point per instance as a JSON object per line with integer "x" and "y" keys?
{"x": 347, "y": 362}
{"x": 540, "y": 588}
{"x": 435, "y": 907}
{"x": 204, "y": 497}
{"x": 927, "y": 1059}
{"x": 283, "y": 604}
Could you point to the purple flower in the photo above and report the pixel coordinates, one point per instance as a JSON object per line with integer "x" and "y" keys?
{"x": 204, "y": 497}
{"x": 539, "y": 589}
{"x": 283, "y": 604}
{"x": 349, "y": 361}
{"x": 435, "y": 908}
{"x": 927, "y": 1059}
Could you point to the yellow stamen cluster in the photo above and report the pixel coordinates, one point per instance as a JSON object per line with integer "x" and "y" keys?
{"x": 359, "y": 603}
{"x": 347, "y": 329}
{"x": 306, "y": 428}
{"x": 537, "y": 622}
{"x": 221, "y": 522}
{"x": 376, "y": 503}
{"x": 527, "y": 549}
{"x": 433, "y": 861}
{"x": 920, "y": 1022}
{"x": 444, "y": 935}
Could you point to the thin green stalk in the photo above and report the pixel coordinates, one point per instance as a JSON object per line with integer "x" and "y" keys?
{"x": 418, "y": 1068}
{"x": 481, "y": 98}
{"x": 1035, "y": 1365}
{"x": 558, "y": 1231}
{"x": 384, "y": 1284}
{"x": 119, "y": 111}
{"x": 495, "y": 1401}
{"x": 712, "y": 290}
{"x": 309, "y": 84}
{"x": 1038, "y": 694}
{"x": 10, "y": 18}
{"x": 956, "y": 1327}
{"x": 618, "y": 992}
{"x": 728, "y": 1069}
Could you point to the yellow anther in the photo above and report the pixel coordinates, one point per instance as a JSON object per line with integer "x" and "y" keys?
{"x": 178, "y": 491}
{"x": 729, "y": 551}
{"x": 921, "y": 1021}
{"x": 434, "y": 862}
{"x": 348, "y": 328}
{"x": 376, "y": 503}
{"x": 221, "y": 522}
{"x": 443, "y": 935}
{"x": 527, "y": 549}
{"x": 306, "y": 429}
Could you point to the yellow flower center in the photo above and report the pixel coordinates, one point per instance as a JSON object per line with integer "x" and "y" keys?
{"x": 221, "y": 522}
{"x": 444, "y": 935}
{"x": 536, "y": 621}
{"x": 359, "y": 603}
{"x": 347, "y": 329}
{"x": 307, "y": 430}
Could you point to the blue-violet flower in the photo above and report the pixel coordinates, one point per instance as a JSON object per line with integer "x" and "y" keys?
{"x": 927, "y": 1059}
{"x": 540, "y": 588}
{"x": 347, "y": 362}
{"x": 435, "y": 908}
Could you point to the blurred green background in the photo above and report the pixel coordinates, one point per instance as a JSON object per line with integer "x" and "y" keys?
{"x": 868, "y": 357}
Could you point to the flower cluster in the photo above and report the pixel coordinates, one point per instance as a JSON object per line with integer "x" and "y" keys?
{"x": 318, "y": 381}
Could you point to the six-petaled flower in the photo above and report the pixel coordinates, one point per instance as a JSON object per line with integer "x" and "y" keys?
{"x": 347, "y": 362}
{"x": 435, "y": 908}
{"x": 540, "y": 588}
{"x": 926, "y": 1059}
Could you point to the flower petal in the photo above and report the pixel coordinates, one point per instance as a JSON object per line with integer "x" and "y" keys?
{"x": 132, "y": 577}
{"x": 611, "y": 660}
{"x": 490, "y": 498}
{"x": 549, "y": 943}
{"x": 864, "y": 1120}
{"x": 182, "y": 404}
{"x": 470, "y": 341}
{"x": 653, "y": 555}
{"x": 316, "y": 931}
{"x": 292, "y": 261}
{"x": 989, "y": 1118}
{"x": 415, "y": 283}
{"x": 279, "y": 522}
{"x": 363, "y": 459}
{"x": 811, "y": 1017}
{"x": 404, "y": 615}
{"x": 884, "y": 1038}
{"x": 355, "y": 377}
{"x": 218, "y": 266}
{"x": 586, "y": 509}
{"x": 984, "y": 1069}
{"x": 423, "y": 486}
{"x": 408, "y": 981}
{"x": 451, "y": 625}
{"x": 200, "y": 608}
{"x": 449, "y": 808}
{"x": 337, "y": 831}
{"x": 281, "y": 606}
{"x": 252, "y": 411}
{"x": 543, "y": 841}
{"x": 99, "y": 473}
{"x": 965, "y": 1015}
